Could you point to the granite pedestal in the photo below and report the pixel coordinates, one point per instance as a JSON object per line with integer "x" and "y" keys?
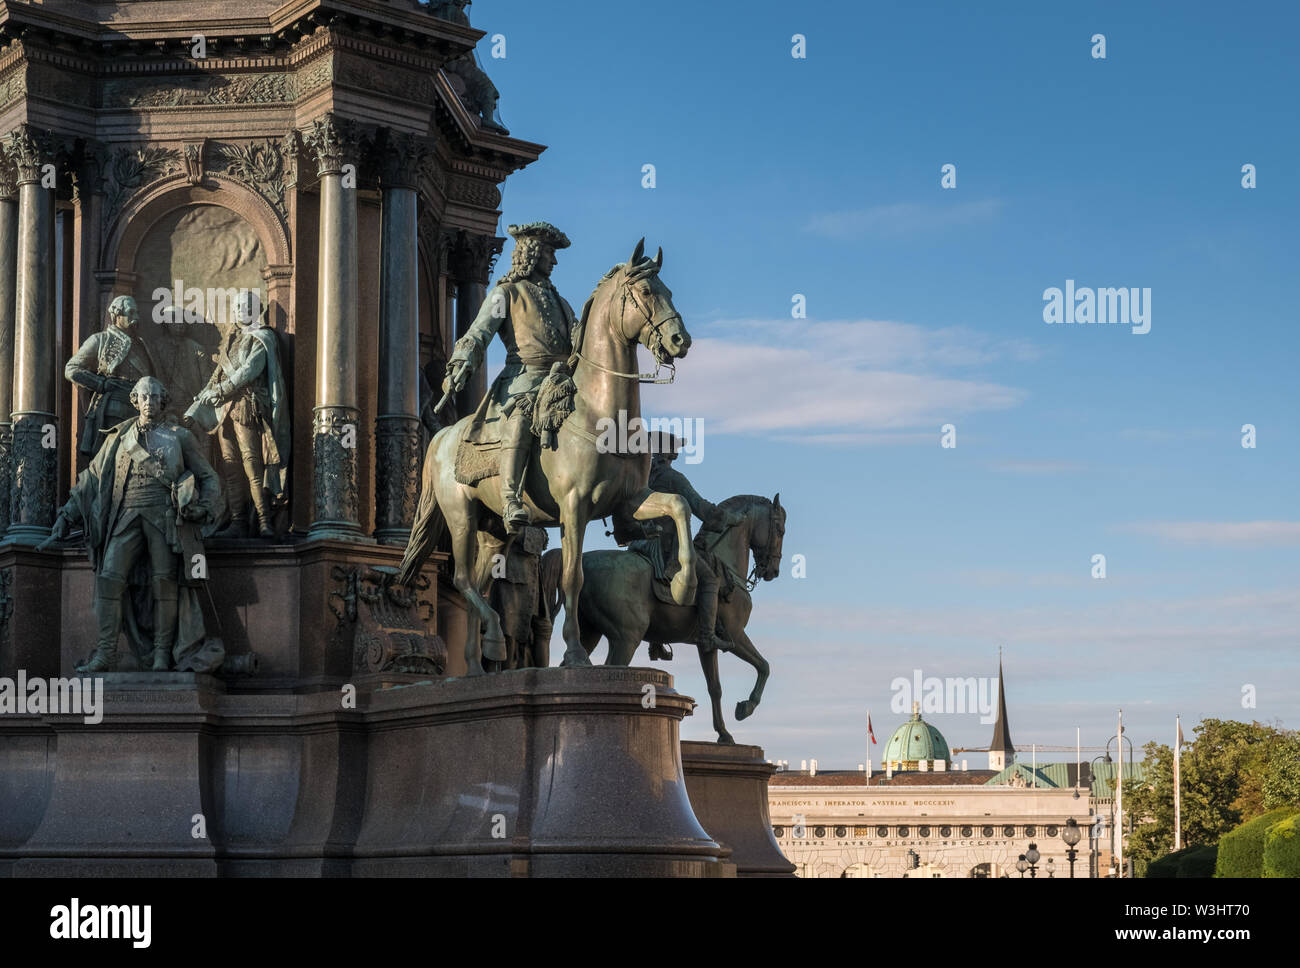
{"x": 728, "y": 789}
{"x": 547, "y": 772}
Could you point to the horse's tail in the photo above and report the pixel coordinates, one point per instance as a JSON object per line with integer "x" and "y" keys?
{"x": 429, "y": 524}
{"x": 552, "y": 568}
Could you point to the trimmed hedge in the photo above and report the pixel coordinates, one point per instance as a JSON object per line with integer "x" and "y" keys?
{"x": 1282, "y": 848}
{"x": 1188, "y": 862}
{"x": 1241, "y": 851}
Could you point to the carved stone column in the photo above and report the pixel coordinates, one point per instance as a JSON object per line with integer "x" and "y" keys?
{"x": 35, "y": 447}
{"x": 8, "y": 281}
{"x": 472, "y": 258}
{"x": 397, "y": 427}
{"x": 88, "y": 315}
{"x": 336, "y": 417}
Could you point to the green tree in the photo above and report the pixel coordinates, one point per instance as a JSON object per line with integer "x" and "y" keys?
{"x": 1282, "y": 785}
{"x": 1231, "y": 772}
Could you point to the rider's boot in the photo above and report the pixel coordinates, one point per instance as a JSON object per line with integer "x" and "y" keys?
{"x": 108, "y": 615}
{"x": 706, "y": 611}
{"x": 515, "y": 445}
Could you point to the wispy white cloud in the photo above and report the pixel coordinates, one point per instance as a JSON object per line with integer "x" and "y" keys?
{"x": 900, "y": 219}
{"x": 846, "y": 382}
{"x": 1236, "y": 533}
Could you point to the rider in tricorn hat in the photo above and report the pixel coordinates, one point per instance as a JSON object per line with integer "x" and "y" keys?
{"x": 535, "y": 324}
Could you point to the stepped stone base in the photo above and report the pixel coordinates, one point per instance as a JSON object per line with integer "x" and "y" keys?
{"x": 541, "y": 773}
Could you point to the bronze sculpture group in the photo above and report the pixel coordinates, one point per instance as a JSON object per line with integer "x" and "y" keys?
{"x": 532, "y": 456}
{"x": 149, "y": 492}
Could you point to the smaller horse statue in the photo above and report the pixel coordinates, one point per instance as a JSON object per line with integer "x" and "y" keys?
{"x": 618, "y": 600}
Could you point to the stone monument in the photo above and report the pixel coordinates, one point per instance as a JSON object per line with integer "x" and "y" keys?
{"x": 271, "y": 229}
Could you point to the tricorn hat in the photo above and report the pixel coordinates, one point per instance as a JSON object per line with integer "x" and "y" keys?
{"x": 542, "y": 231}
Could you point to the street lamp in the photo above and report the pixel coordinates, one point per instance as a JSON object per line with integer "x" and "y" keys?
{"x": 1031, "y": 856}
{"x": 1071, "y": 834}
{"x": 1051, "y": 869}
{"x": 1022, "y": 865}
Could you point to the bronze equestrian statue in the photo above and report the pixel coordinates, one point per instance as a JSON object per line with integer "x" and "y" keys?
{"x": 581, "y": 478}
{"x": 620, "y": 600}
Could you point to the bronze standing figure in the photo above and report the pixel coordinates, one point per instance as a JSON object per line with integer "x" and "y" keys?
{"x": 250, "y": 416}
{"x": 108, "y": 364}
{"x": 146, "y": 494}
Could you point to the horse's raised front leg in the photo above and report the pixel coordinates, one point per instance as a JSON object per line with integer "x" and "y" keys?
{"x": 744, "y": 649}
{"x": 709, "y": 663}
{"x": 573, "y": 529}
{"x": 658, "y": 504}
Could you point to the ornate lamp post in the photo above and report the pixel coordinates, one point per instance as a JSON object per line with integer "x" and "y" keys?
{"x": 1071, "y": 834}
{"x": 1022, "y": 865}
{"x": 1051, "y": 867}
{"x": 1031, "y": 857}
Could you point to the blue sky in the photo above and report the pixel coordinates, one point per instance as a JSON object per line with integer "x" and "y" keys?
{"x": 821, "y": 176}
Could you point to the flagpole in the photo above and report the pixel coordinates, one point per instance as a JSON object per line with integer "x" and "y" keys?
{"x": 1178, "y": 785}
{"x": 1119, "y": 800}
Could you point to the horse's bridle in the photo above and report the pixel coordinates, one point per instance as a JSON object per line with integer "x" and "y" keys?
{"x": 658, "y": 341}
{"x": 755, "y": 576}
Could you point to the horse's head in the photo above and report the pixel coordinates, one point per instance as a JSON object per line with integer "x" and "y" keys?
{"x": 649, "y": 315}
{"x": 763, "y": 527}
{"x": 766, "y": 537}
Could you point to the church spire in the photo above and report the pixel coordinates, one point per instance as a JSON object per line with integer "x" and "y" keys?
{"x": 1001, "y": 752}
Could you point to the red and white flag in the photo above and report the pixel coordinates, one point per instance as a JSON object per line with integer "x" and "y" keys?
{"x": 870, "y": 732}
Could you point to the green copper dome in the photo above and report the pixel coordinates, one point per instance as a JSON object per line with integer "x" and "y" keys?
{"x": 914, "y": 740}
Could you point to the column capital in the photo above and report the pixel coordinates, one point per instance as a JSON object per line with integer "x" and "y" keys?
{"x": 472, "y": 256}
{"x": 400, "y": 157}
{"x": 334, "y": 141}
{"x": 89, "y": 165}
{"x": 29, "y": 149}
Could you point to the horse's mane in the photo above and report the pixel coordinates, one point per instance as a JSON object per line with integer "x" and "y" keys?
{"x": 740, "y": 502}
{"x": 581, "y": 329}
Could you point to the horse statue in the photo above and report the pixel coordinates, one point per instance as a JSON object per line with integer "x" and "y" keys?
{"x": 618, "y": 602}
{"x": 581, "y": 479}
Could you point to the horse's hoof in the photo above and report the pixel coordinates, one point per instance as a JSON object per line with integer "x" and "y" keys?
{"x": 476, "y": 670}
{"x": 744, "y": 709}
{"x": 574, "y": 659}
{"x": 726, "y": 740}
{"x": 494, "y": 648}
